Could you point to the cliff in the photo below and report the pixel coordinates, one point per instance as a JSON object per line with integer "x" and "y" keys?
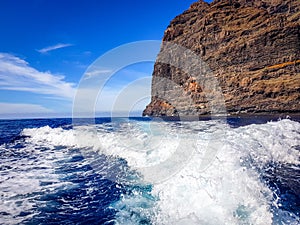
{"x": 252, "y": 49}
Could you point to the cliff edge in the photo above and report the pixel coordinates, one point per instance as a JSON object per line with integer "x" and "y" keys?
{"x": 252, "y": 48}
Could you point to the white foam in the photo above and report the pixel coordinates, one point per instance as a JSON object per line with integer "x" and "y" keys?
{"x": 20, "y": 185}
{"x": 225, "y": 193}
{"x": 227, "y": 190}
{"x": 137, "y": 146}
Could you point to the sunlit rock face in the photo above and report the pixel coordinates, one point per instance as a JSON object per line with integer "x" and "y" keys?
{"x": 251, "y": 47}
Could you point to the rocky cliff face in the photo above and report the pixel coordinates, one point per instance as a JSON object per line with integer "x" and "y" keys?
{"x": 252, "y": 48}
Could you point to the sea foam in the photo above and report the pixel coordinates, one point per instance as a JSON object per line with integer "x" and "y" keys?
{"x": 227, "y": 188}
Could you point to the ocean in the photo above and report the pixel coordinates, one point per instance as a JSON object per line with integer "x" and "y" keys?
{"x": 150, "y": 171}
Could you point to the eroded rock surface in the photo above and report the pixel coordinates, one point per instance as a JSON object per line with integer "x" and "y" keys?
{"x": 251, "y": 47}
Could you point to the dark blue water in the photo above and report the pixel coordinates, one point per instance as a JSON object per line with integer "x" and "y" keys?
{"x": 79, "y": 194}
{"x": 86, "y": 198}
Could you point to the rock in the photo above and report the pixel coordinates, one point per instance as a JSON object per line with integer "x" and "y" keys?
{"x": 252, "y": 49}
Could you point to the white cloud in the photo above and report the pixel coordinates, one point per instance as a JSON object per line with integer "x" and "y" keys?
{"x": 23, "y": 111}
{"x": 9, "y": 108}
{"x": 120, "y": 98}
{"x": 53, "y": 47}
{"x": 125, "y": 98}
{"x": 17, "y": 75}
{"x": 127, "y": 91}
{"x": 96, "y": 72}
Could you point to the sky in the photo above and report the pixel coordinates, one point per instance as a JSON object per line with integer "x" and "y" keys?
{"x": 47, "y": 47}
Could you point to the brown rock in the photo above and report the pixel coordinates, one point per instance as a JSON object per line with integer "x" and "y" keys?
{"x": 251, "y": 47}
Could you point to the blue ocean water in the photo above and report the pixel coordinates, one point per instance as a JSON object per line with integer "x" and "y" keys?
{"x": 238, "y": 171}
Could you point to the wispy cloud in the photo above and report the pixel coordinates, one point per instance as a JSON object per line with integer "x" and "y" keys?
{"x": 16, "y": 74}
{"x": 21, "y": 111}
{"x": 126, "y": 98}
{"x": 126, "y": 91}
{"x": 96, "y": 72}
{"x": 120, "y": 98}
{"x": 54, "y": 47}
{"x": 9, "y": 108}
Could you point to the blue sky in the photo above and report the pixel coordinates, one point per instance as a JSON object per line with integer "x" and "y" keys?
{"x": 47, "y": 45}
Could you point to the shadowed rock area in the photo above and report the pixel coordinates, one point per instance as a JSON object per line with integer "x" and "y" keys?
{"x": 252, "y": 48}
